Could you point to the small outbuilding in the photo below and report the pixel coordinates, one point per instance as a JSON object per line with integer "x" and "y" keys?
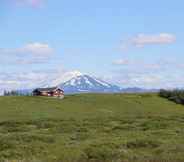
{"x": 50, "y": 92}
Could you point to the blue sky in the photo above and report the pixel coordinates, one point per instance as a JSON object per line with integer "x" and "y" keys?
{"x": 130, "y": 43}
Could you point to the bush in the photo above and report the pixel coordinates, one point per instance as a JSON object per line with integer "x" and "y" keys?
{"x": 143, "y": 143}
{"x": 176, "y": 95}
{"x": 101, "y": 152}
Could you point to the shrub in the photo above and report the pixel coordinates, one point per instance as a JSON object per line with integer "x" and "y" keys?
{"x": 176, "y": 95}
{"x": 143, "y": 143}
{"x": 101, "y": 152}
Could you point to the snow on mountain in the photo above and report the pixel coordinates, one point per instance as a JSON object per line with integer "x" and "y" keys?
{"x": 61, "y": 78}
{"x": 86, "y": 83}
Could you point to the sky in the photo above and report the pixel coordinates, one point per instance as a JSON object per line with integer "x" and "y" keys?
{"x": 129, "y": 43}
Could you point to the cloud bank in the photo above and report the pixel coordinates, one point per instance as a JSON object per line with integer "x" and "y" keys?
{"x": 28, "y": 54}
{"x": 39, "y": 49}
{"x": 142, "y": 40}
{"x": 34, "y": 79}
{"x": 162, "y": 73}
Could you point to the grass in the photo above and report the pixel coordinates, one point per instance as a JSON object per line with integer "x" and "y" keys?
{"x": 91, "y": 127}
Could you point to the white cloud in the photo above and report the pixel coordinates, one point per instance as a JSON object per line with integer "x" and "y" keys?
{"x": 32, "y": 3}
{"x": 21, "y": 80}
{"x": 36, "y": 49}
{"x": 163, "y": 38}
{"x": 121, "y": 62}
{"x": 147, "y": 80}
{"x": 137, "y": 64}
{"x": 163, "y": 73}
{"x": 145, "y": 65}
{"x": 32, "y": 53}
{"x": 141, "y": 40}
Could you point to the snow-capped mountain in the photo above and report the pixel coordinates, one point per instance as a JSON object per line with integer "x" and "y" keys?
{"x": 86, "y": 83}
{"x": 60, "y": 78}
{"x": 75, "y": 82}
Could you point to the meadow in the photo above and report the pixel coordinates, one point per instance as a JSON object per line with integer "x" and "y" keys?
{"x": 91, "y": 128}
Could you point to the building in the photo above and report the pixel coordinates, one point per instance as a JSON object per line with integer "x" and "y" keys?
{"x": 51, "y": 92}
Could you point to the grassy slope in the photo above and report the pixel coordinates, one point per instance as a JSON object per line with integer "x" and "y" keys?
{"x": 124, "y": 127}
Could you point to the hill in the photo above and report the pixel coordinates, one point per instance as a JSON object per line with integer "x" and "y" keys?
{"x": 91, "y": 127}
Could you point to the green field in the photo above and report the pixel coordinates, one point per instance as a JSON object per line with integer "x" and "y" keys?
{"x": 91, "y": 127}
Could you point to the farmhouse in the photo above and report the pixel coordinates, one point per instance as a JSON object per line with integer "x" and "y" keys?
{"x": 52, "y": 92}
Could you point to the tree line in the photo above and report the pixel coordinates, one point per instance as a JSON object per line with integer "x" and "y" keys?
{"x": 176, "y": 95}
{"x": 15, "y": 93}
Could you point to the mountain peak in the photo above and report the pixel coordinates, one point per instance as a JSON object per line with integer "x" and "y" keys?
{"x": 64, "y": 77}
{"x": 75, "y": 73}
{"x": 86, "y": 83}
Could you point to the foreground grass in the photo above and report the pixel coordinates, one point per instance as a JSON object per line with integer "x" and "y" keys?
{"x": 91, "y": 127}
